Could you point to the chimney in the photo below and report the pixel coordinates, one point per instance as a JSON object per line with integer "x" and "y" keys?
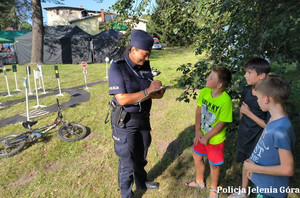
{"x": 102, "y": 15}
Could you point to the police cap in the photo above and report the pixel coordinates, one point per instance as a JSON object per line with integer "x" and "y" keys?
{"x": 141, "y": 40}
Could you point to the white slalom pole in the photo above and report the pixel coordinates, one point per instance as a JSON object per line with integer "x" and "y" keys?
{"x": 39, "y": 77}
{"x": 26, "y": 96}
{"x": 84, "y": 71}
{"x": 36, "y": 89}
{"x": 57, "y": 76}
{"x": 28, "y": 77}
{"x": 35, "y": 74}
{"x": 17, "y": 89}
{"x": 60, "y": 94}
{"x": 86, "y": 87}
{"x": 42, "y": 77}
{"x": 8, "y": 92}
{"x": 106, "y": 60}
{"x": 14, "y": 68}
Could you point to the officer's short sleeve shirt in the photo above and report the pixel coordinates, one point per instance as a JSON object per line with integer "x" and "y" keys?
{"x": 126, "y": 77}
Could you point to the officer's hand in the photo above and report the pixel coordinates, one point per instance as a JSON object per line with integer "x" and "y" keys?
{"x": 159, "y": 94}
{"x": 156, "y": 84}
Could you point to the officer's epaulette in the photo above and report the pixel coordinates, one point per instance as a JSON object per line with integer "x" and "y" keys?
{"x": 119, "y": 60}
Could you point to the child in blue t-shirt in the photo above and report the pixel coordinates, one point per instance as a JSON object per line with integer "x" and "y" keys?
{"x": 271, "y": 162}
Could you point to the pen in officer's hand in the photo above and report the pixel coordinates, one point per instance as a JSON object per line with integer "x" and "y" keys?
{"x": 149, "y": 79}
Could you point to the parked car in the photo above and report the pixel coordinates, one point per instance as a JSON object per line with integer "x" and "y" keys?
{"x": 156, "y": 44}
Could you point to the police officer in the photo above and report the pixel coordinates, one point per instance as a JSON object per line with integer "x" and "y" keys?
{"x": 130, "y": 80}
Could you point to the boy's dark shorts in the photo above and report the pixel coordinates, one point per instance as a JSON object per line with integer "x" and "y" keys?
{"x": 241, "y": 157}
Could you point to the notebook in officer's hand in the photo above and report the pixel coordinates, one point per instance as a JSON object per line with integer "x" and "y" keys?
{"x": 152, "y": 93}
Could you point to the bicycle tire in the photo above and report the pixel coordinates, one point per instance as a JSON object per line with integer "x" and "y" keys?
{"x": 72, "y": 132}
{"x": 14, "y": 147}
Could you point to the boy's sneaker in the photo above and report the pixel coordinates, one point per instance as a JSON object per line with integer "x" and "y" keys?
{"x": 238, "y": 195}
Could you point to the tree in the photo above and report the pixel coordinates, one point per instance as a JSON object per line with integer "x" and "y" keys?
{"x": 175, "y": 21}
{"x": 13, "y": 13}
{"x": 232, "y": 32}
{"x": 6, "y": 10}
{"x": 25, "y": 26}
{"x": 127, "y": 9}
{"x": 16, "y": 12}
{"x": 37, "y": 51}
{"x": 229, "y": 32}
{"x": 37, "y": 32}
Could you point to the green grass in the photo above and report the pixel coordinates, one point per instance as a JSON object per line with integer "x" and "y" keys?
{"x": 88, "y": 168}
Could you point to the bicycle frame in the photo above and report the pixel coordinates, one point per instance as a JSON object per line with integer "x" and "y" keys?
{"x": 13, "y": 143}
{"x": 48, "y": 127}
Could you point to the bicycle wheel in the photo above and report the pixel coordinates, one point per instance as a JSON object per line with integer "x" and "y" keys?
{"x": 11, "y": 144}
{"x": 72, "y": 132}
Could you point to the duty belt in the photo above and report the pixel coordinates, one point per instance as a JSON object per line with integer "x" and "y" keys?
{"x": 139, "y": 115}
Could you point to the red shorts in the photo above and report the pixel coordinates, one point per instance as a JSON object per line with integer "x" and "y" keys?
{"x": 214, "y": 152}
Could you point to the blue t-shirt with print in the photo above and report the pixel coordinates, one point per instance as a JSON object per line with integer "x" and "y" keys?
{"x": 277, "y": 134}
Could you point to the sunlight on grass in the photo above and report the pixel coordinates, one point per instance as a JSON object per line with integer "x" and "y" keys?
{"x": 88, "y": 168}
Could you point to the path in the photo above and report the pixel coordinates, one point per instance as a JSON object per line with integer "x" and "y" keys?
{"x": 78, "y": 95}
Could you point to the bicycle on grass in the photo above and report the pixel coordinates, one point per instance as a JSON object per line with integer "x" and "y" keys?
{"x": 13, "y": 143}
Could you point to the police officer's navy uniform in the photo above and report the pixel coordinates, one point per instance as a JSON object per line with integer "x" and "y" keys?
{"x": 132, "y": 137}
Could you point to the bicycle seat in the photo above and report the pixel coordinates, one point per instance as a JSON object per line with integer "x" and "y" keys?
{"x": 28, "y": 124}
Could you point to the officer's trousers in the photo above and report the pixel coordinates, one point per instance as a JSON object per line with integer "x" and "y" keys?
{"x": 131, "y": 144}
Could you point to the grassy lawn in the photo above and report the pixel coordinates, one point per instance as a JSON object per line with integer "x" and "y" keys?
{"x": 88, "y": 168}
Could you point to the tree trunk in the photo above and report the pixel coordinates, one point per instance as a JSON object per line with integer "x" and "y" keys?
{"x": 37, "y": 33}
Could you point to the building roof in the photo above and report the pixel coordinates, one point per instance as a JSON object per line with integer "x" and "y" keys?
{"x": 70, "y": 8}
{"x": 83, "y": 18}
{"x": 87, "y": 17}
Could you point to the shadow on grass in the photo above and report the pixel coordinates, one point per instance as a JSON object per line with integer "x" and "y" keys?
{"x": 184, "y": 170}
{"x": 7, "y": 70}
{"x": 88, "y": 129}
{"x": 45, "y": 138}
{"x": 174, "y": 150}
{"x": 183, "y": 167}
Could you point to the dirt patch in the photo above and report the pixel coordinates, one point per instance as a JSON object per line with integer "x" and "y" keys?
{"x": 53, "y": 166}
{"x": 24, "y": 179}
{"x": 156, "y": 115}
{"x": 93, "y": 135}
{"x": 161, "y": 147}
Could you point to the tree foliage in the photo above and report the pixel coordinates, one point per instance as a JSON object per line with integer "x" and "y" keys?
{"x": 175, "y": 21}
{"x": 127, "y": 9}
{"x": 13, "y": 13}
{"x": 17, "y": 12}
{"x": 232, "y": 32}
